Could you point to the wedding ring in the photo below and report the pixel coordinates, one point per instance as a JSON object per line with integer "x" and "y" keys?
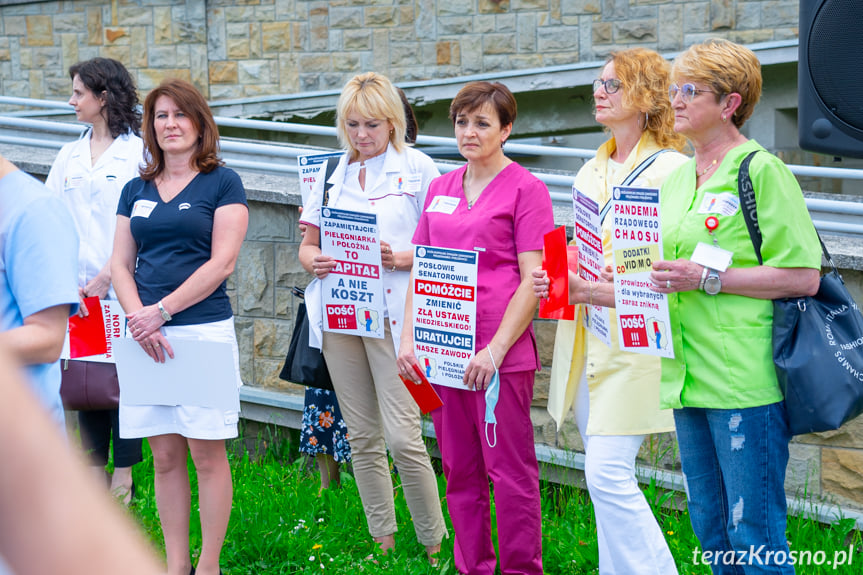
{"x": 667, "y": 284}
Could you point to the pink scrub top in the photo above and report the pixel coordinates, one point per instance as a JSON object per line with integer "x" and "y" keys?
{"x": 511, "y": 216}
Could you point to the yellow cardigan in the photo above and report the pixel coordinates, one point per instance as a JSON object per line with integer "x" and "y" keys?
{"x": 624, "y": 386}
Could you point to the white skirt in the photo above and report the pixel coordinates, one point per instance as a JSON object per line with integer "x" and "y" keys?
{"x": 189, "y": 421}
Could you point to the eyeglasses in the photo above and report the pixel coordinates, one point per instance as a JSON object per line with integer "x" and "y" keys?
{"x": 612, "y": 85}
{"x": 687, "y": 92}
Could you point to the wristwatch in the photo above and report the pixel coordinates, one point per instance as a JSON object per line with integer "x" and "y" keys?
{"x": 712, "y": 284}
{"x": 165, "y": 315}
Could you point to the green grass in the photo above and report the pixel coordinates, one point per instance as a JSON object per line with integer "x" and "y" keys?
{"x": 280, "y": 525}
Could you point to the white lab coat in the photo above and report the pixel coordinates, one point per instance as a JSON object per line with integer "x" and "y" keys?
{"x": 398, "y": 210}
{"x": 92, "y": 194}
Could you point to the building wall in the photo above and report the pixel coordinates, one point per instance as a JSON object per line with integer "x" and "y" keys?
{"x": 241, "y": 48}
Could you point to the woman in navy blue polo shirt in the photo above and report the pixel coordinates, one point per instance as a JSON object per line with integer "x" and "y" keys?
{"x": 179, "y": 231}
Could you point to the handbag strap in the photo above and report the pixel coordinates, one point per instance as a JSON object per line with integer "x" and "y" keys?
{"x": 328, "y": 172}
{"x": 633, "y": 175}
{"x": 331, "y": 167}
{"x": 746, "y": 192}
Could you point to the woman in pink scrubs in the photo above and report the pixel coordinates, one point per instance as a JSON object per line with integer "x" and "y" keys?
{"x": 501, "y": 211}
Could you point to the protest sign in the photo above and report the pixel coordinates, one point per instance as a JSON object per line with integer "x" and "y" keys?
{"x": 591, "y": 261}
{"x": 444, "y": 312}
{"x": 88, "y": 344}
{"x": 309, "y": 167}
{"x": 642, "y": 314}
{"x": 353, "y": 291}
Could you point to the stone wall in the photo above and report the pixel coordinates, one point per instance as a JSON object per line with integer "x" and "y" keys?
{"x": 242, "y": 48}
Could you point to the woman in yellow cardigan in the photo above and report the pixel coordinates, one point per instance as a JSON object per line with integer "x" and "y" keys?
{"x": 616, "y": 394}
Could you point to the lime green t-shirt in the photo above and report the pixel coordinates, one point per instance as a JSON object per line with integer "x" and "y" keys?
{"x": 723, "y": 344}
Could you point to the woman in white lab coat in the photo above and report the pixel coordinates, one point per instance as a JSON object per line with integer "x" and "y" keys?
{"x": 89, "y": 174}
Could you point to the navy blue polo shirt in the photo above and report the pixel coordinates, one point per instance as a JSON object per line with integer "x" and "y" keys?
{"x": 175, "y": 238}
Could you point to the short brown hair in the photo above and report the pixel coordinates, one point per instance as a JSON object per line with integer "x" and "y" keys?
{"x": 644, "y": 79}
{"x": 192, "y": 103}
{"x": 727, "y": 68}
{"x": 475, "y": 94}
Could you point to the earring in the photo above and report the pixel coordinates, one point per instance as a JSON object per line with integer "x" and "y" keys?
{"x": 646, "y": 119}
{"x": 724, "y": 118}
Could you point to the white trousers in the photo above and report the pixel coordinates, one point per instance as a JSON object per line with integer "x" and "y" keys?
{"x": 630, "y": 540}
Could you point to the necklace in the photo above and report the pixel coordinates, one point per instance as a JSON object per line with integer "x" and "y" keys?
{"x": 707, "y": 169}
{"x": 468, "y": 184}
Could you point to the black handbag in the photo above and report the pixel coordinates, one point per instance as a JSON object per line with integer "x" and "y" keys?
{"x": 817, "y": 341}
{"x": 305, "y": 364}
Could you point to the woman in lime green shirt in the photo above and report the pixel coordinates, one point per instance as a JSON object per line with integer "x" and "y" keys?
{"x": 729, "y": 412}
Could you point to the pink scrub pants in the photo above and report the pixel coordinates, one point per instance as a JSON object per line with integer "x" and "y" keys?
{"x": 469, "y": 463}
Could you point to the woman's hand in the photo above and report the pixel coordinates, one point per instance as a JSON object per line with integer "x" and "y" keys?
{"x": 607, "y": 275}
{"x": 388, "y": 257}
{"x": 541, "y": 282}
{"x": 322, "y": 265}
{"x": 675, "y": 276}
{"x": 302, "y": 226}
{"x": 407, "y": 360}
{"x": 579, "y": 288}
{"x": 98, "y": 286}
{"x": 145, "y": 322}
{"x": 481, "y": 369}
{"x": 157, "y": 347}
{"x": 82, "y": 307}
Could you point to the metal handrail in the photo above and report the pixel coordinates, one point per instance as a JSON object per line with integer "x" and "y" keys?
{"x": 823, "y": 210}
{"x": 309, "y": 129}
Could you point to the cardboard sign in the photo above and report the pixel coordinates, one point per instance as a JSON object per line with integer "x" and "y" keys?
{"x": 642, "y": 314}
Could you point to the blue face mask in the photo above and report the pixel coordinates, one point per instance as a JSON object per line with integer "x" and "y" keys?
{"x": 491, "y": 395}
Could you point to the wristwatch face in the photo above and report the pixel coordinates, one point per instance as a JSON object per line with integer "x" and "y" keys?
{"x": 165, "y": 315}
{"x": 712, "y": 284}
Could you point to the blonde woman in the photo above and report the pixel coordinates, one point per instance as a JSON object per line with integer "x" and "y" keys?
{"x": 731, "y": 422}
{"x": 377, "y": 407}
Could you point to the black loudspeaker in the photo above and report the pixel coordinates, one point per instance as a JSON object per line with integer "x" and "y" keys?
{"x": 830, "y": 77}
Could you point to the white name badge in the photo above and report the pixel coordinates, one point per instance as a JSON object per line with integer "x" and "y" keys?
{"x": 143, "y": 208}
{"x": 443, "y": 204}
{"x": 724, "y": 204}
{"x": 73, "y": 182}
{"x": 409, "y": 184}
{"x": 712, "y": 257}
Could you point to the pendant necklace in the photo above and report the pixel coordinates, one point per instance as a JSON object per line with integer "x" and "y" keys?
{"x": 707, "y": 169}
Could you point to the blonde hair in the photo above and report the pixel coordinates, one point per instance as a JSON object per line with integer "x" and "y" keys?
{"x": 644, "y": 79}
{"x": 727, "y": 68}
{"x": 371, "y": 96}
